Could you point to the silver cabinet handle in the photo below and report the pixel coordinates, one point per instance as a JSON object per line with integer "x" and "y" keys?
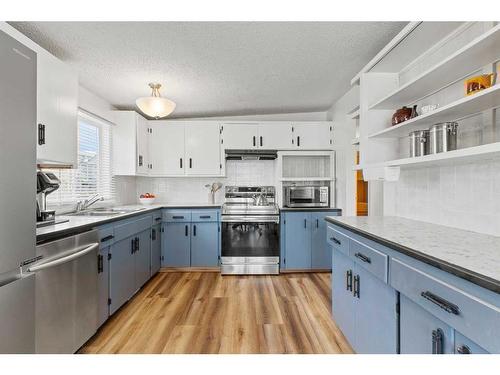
{"x": 64, "y": 259}
{"x": 441, "y": 302}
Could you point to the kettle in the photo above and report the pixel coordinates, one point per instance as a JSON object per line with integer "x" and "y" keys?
{"x": 260, "y": 199}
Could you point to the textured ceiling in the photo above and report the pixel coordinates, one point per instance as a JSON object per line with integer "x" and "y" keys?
{"x": 217, "y": 68}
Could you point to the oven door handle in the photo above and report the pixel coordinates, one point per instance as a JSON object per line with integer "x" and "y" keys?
{"x": 250, "y": 219}
{"x": 64, "y": 259}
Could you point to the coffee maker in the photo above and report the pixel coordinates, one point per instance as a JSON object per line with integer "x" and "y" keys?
{"x": 46, "y": 183}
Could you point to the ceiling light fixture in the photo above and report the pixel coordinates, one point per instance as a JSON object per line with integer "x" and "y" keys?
{"x": 154, "y": 105}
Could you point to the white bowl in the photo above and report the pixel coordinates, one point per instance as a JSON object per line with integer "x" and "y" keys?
{"x": 428, "y": 108}
{"x": 147, "y": 201}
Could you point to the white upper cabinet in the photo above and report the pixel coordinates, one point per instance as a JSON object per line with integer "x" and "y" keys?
{"x": 130, "y": 144}
{"x": 275, "y": 135}
{"x": 57, "y": 111}
{"x": 167, "y": 148}
{"x": 313, "y": 135}
{"x": 203, "y": 155}
{"x": 240, "y": 136}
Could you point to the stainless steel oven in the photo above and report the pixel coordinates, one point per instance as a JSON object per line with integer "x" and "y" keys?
{"x": 250, "y": 231}
{"x": 306, "y": 196}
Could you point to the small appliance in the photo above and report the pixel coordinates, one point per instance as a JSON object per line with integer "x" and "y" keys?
{"x": 306, "y": 196}
{"x": 46, "y": 183}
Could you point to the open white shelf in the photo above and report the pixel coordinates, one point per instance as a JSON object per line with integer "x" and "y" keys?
{"x": 480, "y": 52}
{"x": 464, "y": 107}
{"x": 354, "y": 115}
{"x": 483, "y": 152}
{"x": 353, "y": 110}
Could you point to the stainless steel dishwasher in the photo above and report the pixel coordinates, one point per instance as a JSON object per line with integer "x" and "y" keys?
{"x": 66, "y": 293}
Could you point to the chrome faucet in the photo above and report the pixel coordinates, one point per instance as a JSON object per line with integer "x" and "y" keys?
{"x": 86, "y": 203}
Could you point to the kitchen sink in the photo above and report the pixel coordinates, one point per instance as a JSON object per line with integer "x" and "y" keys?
{"x": 105, "y": 211}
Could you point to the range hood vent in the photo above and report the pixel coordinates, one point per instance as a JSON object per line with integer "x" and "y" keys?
{"x": 251, "y": 154}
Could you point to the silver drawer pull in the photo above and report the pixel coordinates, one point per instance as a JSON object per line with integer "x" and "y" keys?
{"x": 363, "y": 257}
{"x": 463, "y": 349}
{"x": 441, "y": 302}
{"x": 333, "y": 239}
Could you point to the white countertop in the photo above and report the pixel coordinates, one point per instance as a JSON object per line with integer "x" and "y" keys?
{"x": 77, "y": 222}
{"x": 470, "y": 251}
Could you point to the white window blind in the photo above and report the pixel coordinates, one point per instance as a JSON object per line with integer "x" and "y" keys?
{"x": 93, "y": 174}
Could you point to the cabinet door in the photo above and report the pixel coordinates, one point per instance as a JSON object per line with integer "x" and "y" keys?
{"x": 275, "y": 136}
{"x": 297, "y": 240}
{"x": 57, "y": 106}
{"x": 313, "y": 135}
{"x": 167, "y": 148}
{"x": 203, "y": 149}
{"x": 103, "y": 285}
{"x": 376, "y": 316}
{"x": 342, "y": 298}
{"x": 321, "y": 253}
{"x": 204, "y": 244}
{"x": 240, "y": 136}
{"x": 421, "y": 332}
{"x": 155, "y": 249}
{"x": 176, "y": 245}
{"x": 143, "y": 258}
{"x": 121, "y": 273}
{"x": 464, "y": 345}
{"x": 143, "y": 162}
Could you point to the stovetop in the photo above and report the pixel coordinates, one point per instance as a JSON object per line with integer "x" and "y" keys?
{"x": 239, "y": 201}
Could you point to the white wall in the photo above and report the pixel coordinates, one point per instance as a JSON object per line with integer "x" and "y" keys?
{"x": 94, "y": 104}
{"x": 344, "y": 132}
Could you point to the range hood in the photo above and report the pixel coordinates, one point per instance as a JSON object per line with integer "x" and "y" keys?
{"x": 251, "y": 154}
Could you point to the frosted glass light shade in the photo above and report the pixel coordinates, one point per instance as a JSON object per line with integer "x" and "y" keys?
{"x": 155, "y": 106}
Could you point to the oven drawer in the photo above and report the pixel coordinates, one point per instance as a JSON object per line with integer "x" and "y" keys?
{"x": 338, "y": 240}
{"x": 372, "y": 260}
{"x": 467, "y": 313}
{"x": 177, "y": 216}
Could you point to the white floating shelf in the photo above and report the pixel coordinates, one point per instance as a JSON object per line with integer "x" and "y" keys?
{"x": 353, "y": 110}
{"x": 480, "y": 52}
{"x": 483, "y": 152}
{"x": 354, "y": 115}
{"x": 466, "y": 106}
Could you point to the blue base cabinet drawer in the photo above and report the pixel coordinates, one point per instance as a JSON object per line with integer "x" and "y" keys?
{"x": 372, "y": 260}
{"x": 177, "y": 216}
{"x": 337, "y": 240}
{"x": 466, "y": 313}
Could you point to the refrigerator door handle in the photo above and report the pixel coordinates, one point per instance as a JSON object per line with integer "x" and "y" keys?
{"x": 64, "y": 259}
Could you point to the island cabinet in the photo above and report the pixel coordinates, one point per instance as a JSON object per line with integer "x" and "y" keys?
{"x": 364, "y": 306}
{"x": 303, "y": 244}
{"x": 191, "y": 238}
{"x": 386, "y": 301}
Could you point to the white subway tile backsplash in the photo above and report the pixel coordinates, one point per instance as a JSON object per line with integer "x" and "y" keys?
{"x": 465, "y": 196}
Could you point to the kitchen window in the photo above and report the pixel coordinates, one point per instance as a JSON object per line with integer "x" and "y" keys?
{"x": 93, "y": 174}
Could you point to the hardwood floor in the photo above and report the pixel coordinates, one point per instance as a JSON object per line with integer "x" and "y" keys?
{"x": 204, "y": 312}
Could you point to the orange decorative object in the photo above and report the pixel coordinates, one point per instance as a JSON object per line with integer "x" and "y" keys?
{"x": 478, "y": 83}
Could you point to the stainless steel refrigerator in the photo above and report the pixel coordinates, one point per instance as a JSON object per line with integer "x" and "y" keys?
{"x": 17, "y": 195}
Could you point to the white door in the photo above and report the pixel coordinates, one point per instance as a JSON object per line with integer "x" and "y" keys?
{"x": 275, "y": 136}
{"x": 203, "y": 156}
{"x": 142, "y": 157}
{"x": 313, "y": 135}
{"x": 57, "y": 111}
{"x": 243, "y": 136}
{"x": 167, "y": 148}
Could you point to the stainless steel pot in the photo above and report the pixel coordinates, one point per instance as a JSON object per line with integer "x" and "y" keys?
{"x": 419, "y": 143}
{"x": 443, "y": 137}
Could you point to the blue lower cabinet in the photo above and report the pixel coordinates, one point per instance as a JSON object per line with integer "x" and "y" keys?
{"x": 155, "y": 249}
{"x": 463, "y": 345}
{"x": 142, "y": 260}
{"x": 176, "y": 247}
{"x": 342, "y": 296}
{"x": 321, "y": 254}
{"x": 375, "y": 304}
{"x": 205, "y": 244}
{"x": 297, "y": 240}
{"x": 121, "y": 273}
{"x": 421, "y": 332}
{"x": 103, "y": 285}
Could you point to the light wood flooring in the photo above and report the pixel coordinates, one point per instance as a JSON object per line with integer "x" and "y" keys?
{"x": 204, "y": 312}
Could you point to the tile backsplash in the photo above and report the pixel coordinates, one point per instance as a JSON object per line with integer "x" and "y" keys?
{"x": 465, "y": 196}
{"x": 192, "y": 189}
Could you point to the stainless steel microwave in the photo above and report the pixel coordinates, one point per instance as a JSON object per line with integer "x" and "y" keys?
{"x": 306, "y": 196}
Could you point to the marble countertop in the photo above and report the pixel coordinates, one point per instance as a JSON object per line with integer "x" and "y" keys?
{"x": 469, "y": 255}
{"x": 80, "y": 223}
